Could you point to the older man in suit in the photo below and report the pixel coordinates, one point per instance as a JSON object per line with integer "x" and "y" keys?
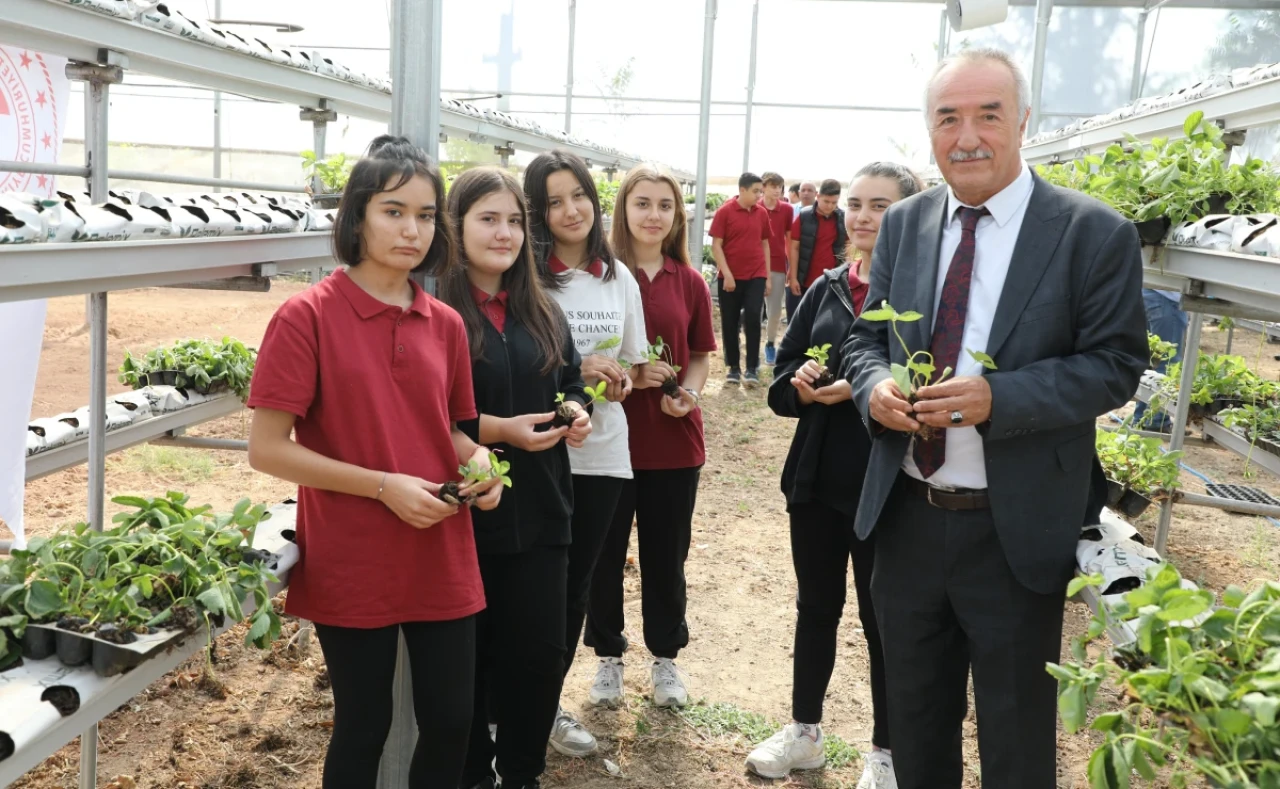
{"x": 977, "y": 517}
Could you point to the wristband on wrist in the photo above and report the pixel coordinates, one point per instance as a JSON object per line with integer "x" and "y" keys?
{"x": 381, "y": 485}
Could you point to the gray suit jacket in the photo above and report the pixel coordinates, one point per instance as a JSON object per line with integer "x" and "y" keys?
{"x": 1069, "y": 339}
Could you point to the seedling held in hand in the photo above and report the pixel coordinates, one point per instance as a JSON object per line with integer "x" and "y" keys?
{"x": 919, "y": 369}
{"x": 475, "y": 474}
{"x": 820, "y": 354}
{"x": 661, "y": 352}
{"x": 610, "y": 343}
{"x": 566, "y": 413}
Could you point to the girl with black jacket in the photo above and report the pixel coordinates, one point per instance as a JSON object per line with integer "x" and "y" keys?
{"x": 523, "y": 363}
{"x": 822, "y": 481}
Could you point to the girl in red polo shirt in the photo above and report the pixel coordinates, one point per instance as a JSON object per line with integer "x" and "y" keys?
{"x": 373, "y": 377}
{"x": 667, "y": 451}
{"x": 524, "y": 362}
{"x": 600, "y": 298}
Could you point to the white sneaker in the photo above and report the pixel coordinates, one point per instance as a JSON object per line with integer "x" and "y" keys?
{"x": 668, "y": 684}
{"x": 570, "y": 737}
{"x": 877, "y": 772}
{"x": 606, "y": 690}
{"x": 789, "y": 749}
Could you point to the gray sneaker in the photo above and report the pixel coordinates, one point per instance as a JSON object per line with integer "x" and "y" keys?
{"x": 606, "y": 690}
{"x": 570, "y": 737}
{"x": 668, "y": 684}
{"x": 733, "y": 378}
{"x": 751, "y": 380}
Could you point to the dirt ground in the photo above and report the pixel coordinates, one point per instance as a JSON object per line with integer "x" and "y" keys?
{"x": 270, "y": 727}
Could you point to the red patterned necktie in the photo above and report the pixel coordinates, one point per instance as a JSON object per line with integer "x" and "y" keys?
{"x": 948, "y": 331}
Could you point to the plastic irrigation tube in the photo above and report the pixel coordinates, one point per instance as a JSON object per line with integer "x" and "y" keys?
{"x": 1202, "y": 477}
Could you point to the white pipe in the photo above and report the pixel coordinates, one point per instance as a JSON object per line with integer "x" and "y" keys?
{"x": 1044, "y": 12}
{"x": 704, "y": 136}
{"x": 568, "y": 82}
{"x": 1135, "y": 82}
{"x": 751, "y": 86}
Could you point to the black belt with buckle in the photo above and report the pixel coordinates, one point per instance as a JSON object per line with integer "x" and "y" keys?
{"x": 956, "y": 500}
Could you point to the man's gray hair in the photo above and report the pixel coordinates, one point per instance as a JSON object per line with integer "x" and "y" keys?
{"x": 978, "y": 55}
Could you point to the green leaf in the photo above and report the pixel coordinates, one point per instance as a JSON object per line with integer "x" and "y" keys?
{"x": 1266, "y": 709}
{"x": 983, "y": 359}
{"x": 1081, "y": 581}
{"x": 1141, "y": 764}
{"x": 16, "y": 622}
{"x": 261, "y": 624}
{"x": 1233, "y": 721}
{"x": 1180, "y": 605}
{"x": 877, "y": 315}
{"x": 211, "y": 599}
{"x": 1209, "y": 688}
{"x": 1233, "y": 596}
{"x": 1071, "y": 707}
{"x": 902, "y": 377}
{"x": 909, "y": 316}
{"x": 1097, "y": 768}
{"x": 43, "y": 599}
{"x": 242, "y": 506}
{"x": 1192, "y": 122}
{"x": 1107, "y": 721}
{"x": 144, "y": 585}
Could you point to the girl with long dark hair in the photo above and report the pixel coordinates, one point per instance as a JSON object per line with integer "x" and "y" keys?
{"x": 525, "y": 371}
{"x": 650, "y": 237}
{"x": 373, "y": 376}
{"x": 601, "y": 300}
{"x": 822, "y": 481}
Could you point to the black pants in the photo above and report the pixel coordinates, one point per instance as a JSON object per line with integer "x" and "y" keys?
{"x": 822, "y": 541}
{"x": 661, "y": 502}
{"x": 793, "y": 301}
{"x": 520, "y": 663}
{"x": 362, "y": 665}
{"x": 741, "y": 308}
{"x": 594, "y": 501}
{"x": 947, "y": 601}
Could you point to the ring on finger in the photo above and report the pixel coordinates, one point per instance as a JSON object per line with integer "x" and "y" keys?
{"x": 957, "y": 417}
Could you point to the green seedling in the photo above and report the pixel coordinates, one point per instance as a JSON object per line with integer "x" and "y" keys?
{"x": 820, "y": 354}
{"x": 609, "y": 343}
{"x": 659, "y": 351}
{"x": 566, "y": 413}
{"x": 475, "y": 474}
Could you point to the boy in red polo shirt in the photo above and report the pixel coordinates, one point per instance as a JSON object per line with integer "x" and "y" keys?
{"x": 781, "y": 213}
{"x": 818, "y": 242}
{"x": 740, "y": 236}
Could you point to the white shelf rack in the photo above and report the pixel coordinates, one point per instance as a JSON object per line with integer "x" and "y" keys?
{"x": 101, "y": 697}
{"x": 1241, "y": 446}
{"x": 82, "y": 35}
{"x": 1247, "y": 280}
{"x": 38, "y": 271}
{"x": 1237, "y": 109}
{"x": 76, "y": 453}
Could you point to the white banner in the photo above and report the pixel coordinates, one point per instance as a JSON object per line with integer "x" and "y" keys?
{"x": 33, "y": 103}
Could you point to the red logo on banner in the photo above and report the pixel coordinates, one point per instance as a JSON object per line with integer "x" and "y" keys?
{"x": 28, "y": 117}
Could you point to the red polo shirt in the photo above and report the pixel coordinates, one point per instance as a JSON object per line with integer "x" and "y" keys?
{"x": 824, "y": 256}
{"x": 492, "y": 307}
{"x": 375, "y": 386}
{"x": 677, "y": 308}
{"x": 742, "y": 230}
{"x": 780, "y": 218}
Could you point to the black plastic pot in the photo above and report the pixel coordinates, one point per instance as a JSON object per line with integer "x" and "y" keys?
{"x": 1218, "y": 202}
{"x": 38, "y": 643}
{"x": 73, "y": 649}
{"x": 110, "y": 660}
{"x": 326, "y": 201}
{"x": 213, "y": 388}
{"x": 1114, "y": 491}
{"x": 160, "y": 378}
{"x": 1132, "y": 503}
{"x": 1153, "y": 231}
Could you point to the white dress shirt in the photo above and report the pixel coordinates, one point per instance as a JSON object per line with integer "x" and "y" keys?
{"x": 995, "y": 237}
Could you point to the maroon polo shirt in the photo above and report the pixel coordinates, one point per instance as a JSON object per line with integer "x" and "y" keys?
{"x": 375, "y": 386}
{"x": 677, "y": 308}
{"x": 492, "y": 307}
{"x": 742, "y": 230}
{"x": 824, "y": 256}
{"x": 780, "y": 218}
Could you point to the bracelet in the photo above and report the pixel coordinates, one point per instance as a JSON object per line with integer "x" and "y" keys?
{"x": 380, "y": 486}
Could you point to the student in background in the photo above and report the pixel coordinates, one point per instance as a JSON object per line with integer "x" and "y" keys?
{"x": 793, "y": 195}
{"x": 524, "y": 362}
{"x": 808, "y": 195}
{"x": 373, "y": 377}
{"x": 822, "y": 481}
{"x": 740, "y": 240}
{"x": 819, "y": 242}
{"x": 667, "y": 450}
{"x": 780, "y": 216}
{"x": 601, "y": 300}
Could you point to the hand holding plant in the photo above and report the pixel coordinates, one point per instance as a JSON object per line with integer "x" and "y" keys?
{"x": 416, "y": 501}
{"x": 680, "y": 406}
{"x": 660, "y": 356}
{"x": 522, "y": 432}
{"x": 483, "y": 477}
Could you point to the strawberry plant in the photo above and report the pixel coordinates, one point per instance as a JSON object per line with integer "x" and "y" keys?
{"x": 199, "y": 364}
{"x": 659, "y": 351}
{"x": 1199, "y": 688}
{"x": 333, "y": 171}
{"x": 475, "y": 474}
{"x": 820, "y": 353}
{"x": 1137, "y": 463}
{"x": 1160, "y": 351}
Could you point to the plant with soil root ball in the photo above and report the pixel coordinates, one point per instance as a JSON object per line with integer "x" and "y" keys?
{"x": 566, "y": 413}
{"x": 661, "y": 352}
{"x": 819, "y": 353}
{"x": 918, "y": 371}
{"x": 475, "y": 474}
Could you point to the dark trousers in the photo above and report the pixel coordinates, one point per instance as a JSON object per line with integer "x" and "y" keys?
{"x": 661, "y": 503}
{"x": 741, "y": 309}
{"x": 520, "y": 662}
{"x": 947, "y": 601}
{"x": 793, "y": 301}
{"x": 822, "y": 542}
{"x": 594, "y": 501}
{"x": 362, "y": 666}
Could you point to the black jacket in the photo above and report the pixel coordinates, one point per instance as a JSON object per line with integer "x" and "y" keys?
{"x": 809, "y": 238}
{"x": 829, "y": 452}
{"x": 509, "y": 381}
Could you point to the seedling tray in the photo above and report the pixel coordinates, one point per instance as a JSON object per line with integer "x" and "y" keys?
{"x": 1243, "y": 493}
{"x": 108, "y": 659}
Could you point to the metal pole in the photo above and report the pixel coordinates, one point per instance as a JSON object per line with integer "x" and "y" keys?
{"x": 751, "y": 86}
{"x": 568, "y": 82}
{"x": 944, "y": 28}
{"x": 217, "y": 115}
{"x": 415, "y": 113}
{"x": 1190, "y": 357}
{"x": 704, "y": 136}
{"x": 1135, "y": 82}
{"x": 1044, "y": 12}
